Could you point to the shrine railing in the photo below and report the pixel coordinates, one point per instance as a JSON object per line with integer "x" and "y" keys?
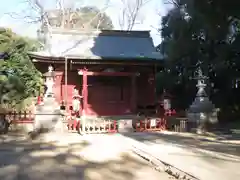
{"x": 92, "y": 126}
{"x": 150, "y": 124}
{"x": 20, "y": 117}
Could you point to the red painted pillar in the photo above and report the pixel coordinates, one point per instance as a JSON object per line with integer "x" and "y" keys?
{"x": 133, "y": 93}
{"x": 85, "y": 91}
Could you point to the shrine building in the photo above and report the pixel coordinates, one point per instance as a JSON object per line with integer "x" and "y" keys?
{"x": 113, "y": 71}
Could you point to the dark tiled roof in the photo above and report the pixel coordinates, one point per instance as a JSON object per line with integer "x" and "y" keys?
{"x": 100, "y": 45}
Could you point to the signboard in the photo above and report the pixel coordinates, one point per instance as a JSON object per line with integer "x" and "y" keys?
{"x": 166, "y": 104}
{"x": 125, "y": 125}
{"x": 153, "y": 123}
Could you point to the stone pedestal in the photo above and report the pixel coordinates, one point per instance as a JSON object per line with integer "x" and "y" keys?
{"x": 48, "y": 116}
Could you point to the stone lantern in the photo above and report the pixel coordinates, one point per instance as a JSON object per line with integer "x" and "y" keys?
{"x": 49, "y": 82}
{"x": 202, "y": 111}
{"x": 48, "y": 114}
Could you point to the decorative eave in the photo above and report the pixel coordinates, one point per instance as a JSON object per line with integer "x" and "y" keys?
{"x": 112, "y": 61}
{"x": 47, "y": 55}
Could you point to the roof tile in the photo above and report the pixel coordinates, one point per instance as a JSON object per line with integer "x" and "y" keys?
{"x": 100, "y": 45}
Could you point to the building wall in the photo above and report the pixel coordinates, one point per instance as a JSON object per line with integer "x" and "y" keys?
{"x": 109, "y": 95}
{"x": 59, "y": 87}
{"x": 104, "y": 99}
{"x": 145, "y": 90}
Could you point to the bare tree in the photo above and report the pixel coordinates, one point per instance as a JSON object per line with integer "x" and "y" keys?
{"x": 65, "y": 10}
{"x": 63, "y": 14}
{"x": 130, "y": 13}
{"x": 172, "y": 2}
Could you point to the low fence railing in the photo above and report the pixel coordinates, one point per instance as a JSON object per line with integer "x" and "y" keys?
{"x": 177, "y": 124}
{"x": 104, "y": 126}
{"x": 91, "y": 126}
{"x": 150, "y": 124}
{"x": 21, "y": 117}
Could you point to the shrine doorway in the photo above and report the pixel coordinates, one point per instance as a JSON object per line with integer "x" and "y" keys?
{"x": 109, "y": 95}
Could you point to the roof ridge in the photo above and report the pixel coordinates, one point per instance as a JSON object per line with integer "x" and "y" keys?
{"x": 138, "y": 34}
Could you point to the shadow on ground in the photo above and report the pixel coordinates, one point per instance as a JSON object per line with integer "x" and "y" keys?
{"x": 26, "y": 160}
{"x": 193, "y": 142}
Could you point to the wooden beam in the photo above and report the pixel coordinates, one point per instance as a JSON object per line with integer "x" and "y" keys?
{"x": 90, "y": 73}
{"x": 47, "y": 61}
{"x": 120, "y": 62}
{"x": 129, "y": 63}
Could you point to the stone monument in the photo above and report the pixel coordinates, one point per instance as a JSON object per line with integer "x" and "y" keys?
{"x": 202, "y": 111}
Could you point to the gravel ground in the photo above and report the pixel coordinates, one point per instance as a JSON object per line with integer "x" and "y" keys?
{"x": 73, "y": 157}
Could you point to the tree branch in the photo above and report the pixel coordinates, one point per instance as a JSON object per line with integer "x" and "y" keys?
{"x": 130, "y": 13}
{"x": 176, "y": 3}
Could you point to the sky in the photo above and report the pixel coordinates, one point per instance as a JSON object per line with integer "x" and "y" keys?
{"x": 149, "y": 15}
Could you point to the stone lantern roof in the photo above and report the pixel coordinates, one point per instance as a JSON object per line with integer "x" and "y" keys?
{"x": 50, "y": 72}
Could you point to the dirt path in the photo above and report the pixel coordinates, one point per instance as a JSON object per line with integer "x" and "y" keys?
{"x": 190, "y": 141}
{"x": 202, "y": 158}
{"x": 73, "y": 157}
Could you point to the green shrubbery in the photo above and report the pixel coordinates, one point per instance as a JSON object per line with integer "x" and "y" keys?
{"x": 19, "y": 80}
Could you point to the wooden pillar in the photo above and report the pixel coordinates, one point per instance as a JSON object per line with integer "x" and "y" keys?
{"x": 155, "y": 83}
{"x": 66, "y": 83}
{"x": 133, "y": 94}
{"x": 85, "y": 91}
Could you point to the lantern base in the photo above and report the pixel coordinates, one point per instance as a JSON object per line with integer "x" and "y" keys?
{"x": 48, "y": 115}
